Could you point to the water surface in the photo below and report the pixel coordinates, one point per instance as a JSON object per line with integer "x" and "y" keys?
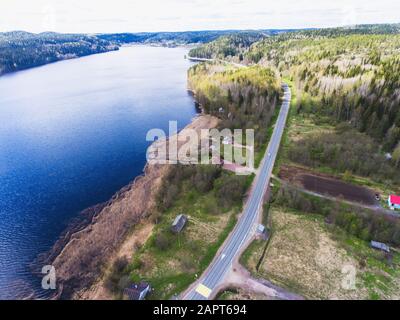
{"x": 72, "y": 134}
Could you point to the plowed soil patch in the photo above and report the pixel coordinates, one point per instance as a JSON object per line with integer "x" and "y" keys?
{"x": 325, "y": 184}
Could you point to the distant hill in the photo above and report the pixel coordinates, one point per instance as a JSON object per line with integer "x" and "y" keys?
{"x": 229, "y": 45}
{"x": 21, "y": 50}
{"x": 179, "y": 38}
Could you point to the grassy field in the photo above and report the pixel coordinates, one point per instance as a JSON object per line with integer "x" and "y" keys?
{"x": 309, "y": 257}
{"x": 171, "y": 262}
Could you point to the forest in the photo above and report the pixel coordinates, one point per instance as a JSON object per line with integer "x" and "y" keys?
{"x": 243, "y": 98}
{"x": 189, "y": 37}
{"x": 232, "y": 46}
{"x": 345, "y": 150}
{"x": 229, "y": 189}
{"x": 351, "y": 78}
{"x": 22, "y": 50}
{"x": 346, "y": 74}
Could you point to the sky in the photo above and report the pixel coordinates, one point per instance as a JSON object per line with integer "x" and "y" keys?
{"x": 95, "y": 16}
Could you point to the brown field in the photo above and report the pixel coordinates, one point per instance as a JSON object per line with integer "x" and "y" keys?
{"x": 327, "y": 185}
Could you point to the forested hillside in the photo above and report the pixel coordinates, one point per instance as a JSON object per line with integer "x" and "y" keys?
{"x": 228, "y": 46}
{"x": 342, "y": 74}
{"x": 188, "y": 37}
{"x": 22, "y": 50}
{"x": 173, "y": 38}
{"x": 351, "y": 78}
{"x": 244, "y": 98}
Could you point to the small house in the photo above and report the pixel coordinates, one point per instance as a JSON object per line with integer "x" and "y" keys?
{"x": 262, "y": 232}
{"x": 394, "y": 202}
{"x": 260, "y": 229}
{"x": 380, "y": 246}
{"x": 137, "y": 291}
{"x": 179, "y": 223}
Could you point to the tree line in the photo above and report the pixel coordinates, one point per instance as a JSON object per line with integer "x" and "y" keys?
{"x": 23, "y": 50}
{"x": 243, "y": 98}
{"x": 345, "y": 150}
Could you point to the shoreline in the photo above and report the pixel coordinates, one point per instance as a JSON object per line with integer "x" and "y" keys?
{"x": 117, "y": 48}
{"x": 85, "y": 250}
{"x": 66, "y": 247}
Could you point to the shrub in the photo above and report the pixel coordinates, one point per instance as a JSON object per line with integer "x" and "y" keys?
{"x": 162, "y": 241}
{"x": 117, "y": 276}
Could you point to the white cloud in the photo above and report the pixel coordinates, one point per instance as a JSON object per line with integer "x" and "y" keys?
{"x": 180, "y": 15}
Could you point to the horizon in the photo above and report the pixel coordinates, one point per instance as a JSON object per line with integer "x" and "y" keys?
{"x": 210, "y": 30}
{"x": 125, "y": 16}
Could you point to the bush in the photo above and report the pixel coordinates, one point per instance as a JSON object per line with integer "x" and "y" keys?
{"x": 117, "y": 276}
{"x": 230, "y": 189}
{"x": 162, "y": 241}
{"x": 187, "y": 263}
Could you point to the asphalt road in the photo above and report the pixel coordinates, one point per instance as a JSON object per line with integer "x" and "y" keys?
{"x": 214, "y": 275}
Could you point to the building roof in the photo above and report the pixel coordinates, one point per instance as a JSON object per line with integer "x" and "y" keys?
{"x": 179, "y": 223}
{"x": 394, "y": 199}
{"x": 260, "y": 228}
{"x": 380, "y": 245}
{"x": 133, "y": 292}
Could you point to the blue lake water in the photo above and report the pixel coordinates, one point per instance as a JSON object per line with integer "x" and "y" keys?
{"x": 71, "y": 135}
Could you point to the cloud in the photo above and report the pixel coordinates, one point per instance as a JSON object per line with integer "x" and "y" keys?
{"x": 179, "y": 15}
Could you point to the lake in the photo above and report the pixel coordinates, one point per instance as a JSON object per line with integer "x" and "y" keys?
{"x": 73, "y": 133}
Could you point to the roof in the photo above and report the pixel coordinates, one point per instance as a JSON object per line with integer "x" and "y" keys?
{"x": 260, "y": 228}
{"x": 394, "y": 199}
{"x": 380, "y": 245}
{"x": 133, "y": 292}
{"x": 179, "y": 223}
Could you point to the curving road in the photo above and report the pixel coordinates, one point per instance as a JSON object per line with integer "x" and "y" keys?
{"x": 208, "y": 283}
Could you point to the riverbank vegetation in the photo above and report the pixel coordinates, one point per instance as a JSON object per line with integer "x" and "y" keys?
{"x": 243, "y": 98}
{"x": 211, "y": 199}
